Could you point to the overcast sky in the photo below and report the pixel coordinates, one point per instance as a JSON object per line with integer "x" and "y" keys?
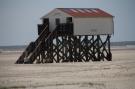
{"x": 19, "y": 18}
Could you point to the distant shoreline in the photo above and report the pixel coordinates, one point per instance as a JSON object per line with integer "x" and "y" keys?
{"x": 115, "y": 46}
{"x": 20, "y": 50}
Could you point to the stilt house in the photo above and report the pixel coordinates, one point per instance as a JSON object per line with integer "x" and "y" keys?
{"x": 71, "y": 35}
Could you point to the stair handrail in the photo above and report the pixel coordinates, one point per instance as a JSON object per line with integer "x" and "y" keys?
{"x": 23, "y": 55}
{"x": 33, "y": 53}
{"x": 26, "y": 50}
{"x": 41, "y": 34}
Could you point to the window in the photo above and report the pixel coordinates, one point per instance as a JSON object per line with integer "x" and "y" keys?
{"x": 73, "y": 10}
{"x": 81, "y": 10}
{"x": 94, "y": 10}
{"x": 57, "y": 20}
{"x": 69, "y": 19}
{"x": 87, "y": 10}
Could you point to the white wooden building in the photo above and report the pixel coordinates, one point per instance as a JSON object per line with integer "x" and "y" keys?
{"x": 71, "y": 35}
{"x": 87, "y": 21}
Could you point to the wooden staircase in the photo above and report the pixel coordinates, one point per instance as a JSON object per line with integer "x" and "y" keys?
{"x": 33, "y": 49}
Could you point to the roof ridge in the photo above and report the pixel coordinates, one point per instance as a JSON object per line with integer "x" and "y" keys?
{"x": 77, "y": 8}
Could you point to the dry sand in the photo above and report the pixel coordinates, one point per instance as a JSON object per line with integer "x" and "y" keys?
{"x": 117, "y": 74}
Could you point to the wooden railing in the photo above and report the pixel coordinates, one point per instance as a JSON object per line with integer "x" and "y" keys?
{"x": 30, "y": 49}
{"x": 36, "y": 51}
{"x": 34, "y": 48}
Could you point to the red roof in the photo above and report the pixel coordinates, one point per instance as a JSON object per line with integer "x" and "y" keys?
{"x": 85, "y": 12}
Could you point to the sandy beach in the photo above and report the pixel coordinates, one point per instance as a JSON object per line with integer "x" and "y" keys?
{"x": 116, "y": 74}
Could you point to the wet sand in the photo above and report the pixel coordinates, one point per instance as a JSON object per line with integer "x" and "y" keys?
{"x": 116, "y": 74}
